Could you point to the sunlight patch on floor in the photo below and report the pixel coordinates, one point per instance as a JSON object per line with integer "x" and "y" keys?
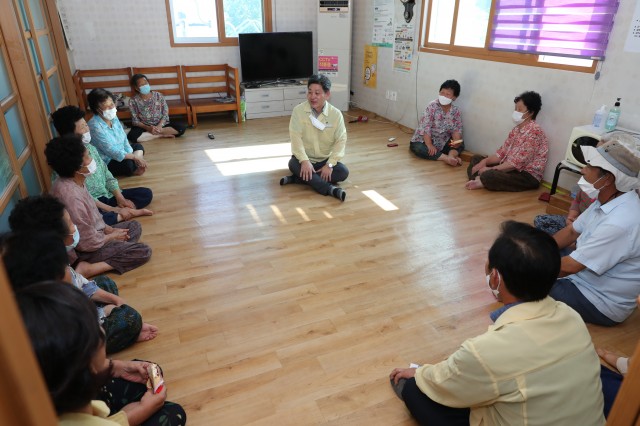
{"x": 252, "y": 166}
{"x": 254, "y": 214}
{"x": 382, "y": 202}
{"x": 303, "y": 214}
{"x": 279, "y": 215}
{"x": 250, "y": 159}
{"x": 221, "y": 155}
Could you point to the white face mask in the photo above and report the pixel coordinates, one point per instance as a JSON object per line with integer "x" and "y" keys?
{"x": 517, "y": 117}
{"x": 317, "y": 123}
{"x": 86, "y": 137}
{"x": 110, "y": 114}
{"x": 444, "y": 100}
{"x": 589, "y": 188}
{"x": 92, "y": 167}
{"x": 496, "y": 291}
{"x": 76, "y": 239}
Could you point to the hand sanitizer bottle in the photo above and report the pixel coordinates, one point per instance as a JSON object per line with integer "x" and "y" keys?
{"x": 614, "y": 115}
{"x": 599, "y": 115}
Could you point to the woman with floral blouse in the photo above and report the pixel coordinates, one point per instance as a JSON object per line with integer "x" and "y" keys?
{"x": 150, "y": 112}
{"x": 439, "y": 133}
{"x": 519, "y": 163}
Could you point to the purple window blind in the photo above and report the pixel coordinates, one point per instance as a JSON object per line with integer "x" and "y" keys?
{"x": 573, "y": 28}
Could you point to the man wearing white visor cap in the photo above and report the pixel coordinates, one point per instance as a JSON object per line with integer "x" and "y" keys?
{"x": 601, "y": 278}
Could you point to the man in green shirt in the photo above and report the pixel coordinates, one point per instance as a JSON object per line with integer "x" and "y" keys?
{"x": 116, "y": 205}
{"x": 318, "y": 140}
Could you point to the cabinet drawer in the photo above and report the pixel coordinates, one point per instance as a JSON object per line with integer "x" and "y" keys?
{"x": 263, "y": 95}
{"x": 256, "y": 107}
{"x": 290, "y": 104}
{"x": 297, "y": 92}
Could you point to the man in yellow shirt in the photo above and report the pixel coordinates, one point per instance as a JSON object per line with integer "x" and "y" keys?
{"x": 318, "y": 140}
{"x": 535, "y": 365}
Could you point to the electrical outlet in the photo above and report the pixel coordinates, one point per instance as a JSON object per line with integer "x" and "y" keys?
{"x": 388, "y": 95}
{"x": 393, "y": 96}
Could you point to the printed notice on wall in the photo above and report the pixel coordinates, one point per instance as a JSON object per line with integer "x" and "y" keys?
{"x": 633, "y": 38}
{"x": 370, "y": 66}
{"x": 383, "y": 23}
{"x": 404, "y": 35}
{"x": 328, "y": 65}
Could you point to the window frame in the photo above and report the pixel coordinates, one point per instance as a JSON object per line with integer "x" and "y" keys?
{"x": 483, "y": 53}
{"x": 223, "y": 40}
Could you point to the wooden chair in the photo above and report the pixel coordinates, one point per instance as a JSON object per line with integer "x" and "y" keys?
{"x": 168, "y": 81}
{"x": 209, "y": 88}
{"x": 116, "y": 80}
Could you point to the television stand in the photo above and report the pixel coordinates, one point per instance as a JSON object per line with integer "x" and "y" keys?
{"x": 273, "y": 99}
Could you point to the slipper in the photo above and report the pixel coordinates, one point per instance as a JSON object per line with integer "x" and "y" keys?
{"x": 211, "y": 136}
{"x": 398, "y": 388}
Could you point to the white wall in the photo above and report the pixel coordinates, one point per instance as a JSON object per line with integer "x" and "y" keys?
{"x": 119, "y": 33}
{"x": 488, "y": 88}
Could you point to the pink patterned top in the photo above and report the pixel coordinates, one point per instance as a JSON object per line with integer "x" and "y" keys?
{"x": 83, "y": 211}
{"x": 438, "y": 125}
{"x": 152, "y": 112}
{"x": 526, "y": 149}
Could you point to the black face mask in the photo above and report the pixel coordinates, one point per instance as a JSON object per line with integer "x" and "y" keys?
{"x": 408, "y": 9}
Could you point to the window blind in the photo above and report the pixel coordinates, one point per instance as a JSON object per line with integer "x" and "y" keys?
{"x": 571, "y": 28}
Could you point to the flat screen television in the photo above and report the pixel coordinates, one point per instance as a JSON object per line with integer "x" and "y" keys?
{"x": 275, "y": 57}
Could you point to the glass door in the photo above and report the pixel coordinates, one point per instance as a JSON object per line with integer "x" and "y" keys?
{"x": 19, "y": 175}
{"x": 38, "y": 36}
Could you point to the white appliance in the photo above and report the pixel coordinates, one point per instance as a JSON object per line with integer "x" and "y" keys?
{"x": 334, "y": 48}
{"x": 582, "y": 136}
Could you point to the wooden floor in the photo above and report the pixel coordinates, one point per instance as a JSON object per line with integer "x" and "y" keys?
{"x": 278, "y": 306}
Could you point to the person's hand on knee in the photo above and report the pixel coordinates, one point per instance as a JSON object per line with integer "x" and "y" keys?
{"x": 325, "y": 173}
{"x": 306, "y": 170}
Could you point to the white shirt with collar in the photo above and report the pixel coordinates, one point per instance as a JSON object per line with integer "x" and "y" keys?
{"x": 609, "y": 247}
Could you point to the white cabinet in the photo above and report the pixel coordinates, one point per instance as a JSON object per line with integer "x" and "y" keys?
{"x": 273, "y": 101}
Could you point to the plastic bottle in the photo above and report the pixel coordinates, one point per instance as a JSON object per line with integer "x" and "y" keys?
{"x": 612, "y": 118}
{"x": 599, "y": 115}
{"x": 243, "y": 109}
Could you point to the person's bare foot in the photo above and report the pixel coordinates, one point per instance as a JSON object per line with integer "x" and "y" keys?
{"x": 619, "y": 362}
{"x": 608, "y": 356}
{"x": 169, "y": 136}
{"x": 89, "y": 270}
{"x": 474, "y": 184}
{"x": 452, "y": 161}
{"x": 148, "y": 332}
{"x": 141, "y": 212}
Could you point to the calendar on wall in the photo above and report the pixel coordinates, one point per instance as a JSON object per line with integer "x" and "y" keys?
{"x": 633, "y": 38}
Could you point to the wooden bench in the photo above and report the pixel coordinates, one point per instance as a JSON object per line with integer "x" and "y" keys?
{"x": 115, "y": 80}
{"x": 211, "y": 88}
{"x": 168, "y": 81}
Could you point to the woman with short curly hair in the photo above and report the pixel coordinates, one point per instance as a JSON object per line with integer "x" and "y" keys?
{"x": 117, "y": 246}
